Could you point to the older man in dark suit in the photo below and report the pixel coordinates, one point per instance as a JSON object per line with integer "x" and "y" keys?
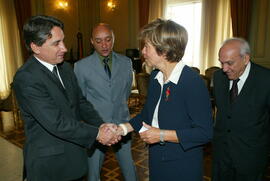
{"x": 241, "y": 133}
{"x": 59, "y": 122}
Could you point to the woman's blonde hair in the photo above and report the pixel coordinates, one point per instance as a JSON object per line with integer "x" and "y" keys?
{"x": 168, "y": 38}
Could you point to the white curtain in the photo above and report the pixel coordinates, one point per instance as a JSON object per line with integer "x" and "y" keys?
{"x": 216, "y": 27}
{"x": 188, "y": 14}
{"x": 10, "y": 47}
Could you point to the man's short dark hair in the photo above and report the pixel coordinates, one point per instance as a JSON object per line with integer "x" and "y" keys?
{"x": 38, "y": 29}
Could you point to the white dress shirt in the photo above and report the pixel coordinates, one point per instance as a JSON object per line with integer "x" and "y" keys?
{"x": 174, "y": 78}
{"x": 50, "y": 67}
{"x": 242, "y": 79}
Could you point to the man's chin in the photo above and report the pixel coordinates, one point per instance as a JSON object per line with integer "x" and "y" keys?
{"x": 105, "y": 54}
{"x": 231, "y": 77}
{"x": 60, "y": 60}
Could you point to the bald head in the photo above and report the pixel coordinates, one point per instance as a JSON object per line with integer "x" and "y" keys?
{"x": 101, "y": 27}
{"x": 234, "y": 55}
{"x": 237, "y": 43}
{"x": 102, "y": 39}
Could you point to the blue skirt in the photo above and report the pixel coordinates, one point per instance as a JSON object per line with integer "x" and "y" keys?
{"x": 183, "y": 169}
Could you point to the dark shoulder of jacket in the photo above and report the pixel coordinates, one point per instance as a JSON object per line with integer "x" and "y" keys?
{"x": 27, "y": 64}
{"x": 29, "y": 67}
{"x": 66, "y": 65}
{"x": 29, "y": 70}
{"x": 188, "y": 71}
{"x": 260, "y": 69}
{"x": 188, "y": 75}
{"x": 154, "y": 73}
{"x": 219, "y": 73}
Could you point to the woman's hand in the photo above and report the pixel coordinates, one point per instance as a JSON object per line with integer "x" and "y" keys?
{"x": 152, "y": 135}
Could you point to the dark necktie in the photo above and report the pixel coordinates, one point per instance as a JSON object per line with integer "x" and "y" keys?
{"x": 234, "y": 90}
{"x": 106, "y": 66}
{"x": 55, "y": 72}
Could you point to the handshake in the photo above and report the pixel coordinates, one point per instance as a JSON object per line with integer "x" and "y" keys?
{"x": 110, "y": 134}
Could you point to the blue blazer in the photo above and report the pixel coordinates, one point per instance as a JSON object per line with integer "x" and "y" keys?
{"x": 186, "y": 110}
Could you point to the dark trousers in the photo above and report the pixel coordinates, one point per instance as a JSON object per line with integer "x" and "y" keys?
{"x": 80, "y": 179}
{"x": 224, "y": 170}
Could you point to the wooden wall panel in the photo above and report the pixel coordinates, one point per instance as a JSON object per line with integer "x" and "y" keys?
{"x": 259, "y": 37}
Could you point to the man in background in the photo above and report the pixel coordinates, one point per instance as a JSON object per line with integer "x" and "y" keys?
{"x": 59, "y": 122}
{"x": 241, "y": 132}
{"x": 105, "y": 78}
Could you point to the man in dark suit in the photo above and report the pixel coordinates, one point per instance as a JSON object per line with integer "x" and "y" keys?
{"x": 241, "y": 133}
{"x": 59, "y": 122}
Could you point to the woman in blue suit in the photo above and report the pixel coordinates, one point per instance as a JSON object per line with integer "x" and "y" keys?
{"x": 176, "y": 119}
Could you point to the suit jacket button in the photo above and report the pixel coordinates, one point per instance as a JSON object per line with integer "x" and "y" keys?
{"x": 228, "y": 130}
{"x": 229, "y": 117}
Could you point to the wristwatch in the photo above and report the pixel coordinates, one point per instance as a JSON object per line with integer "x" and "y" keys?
{"x": 161, "y": 137}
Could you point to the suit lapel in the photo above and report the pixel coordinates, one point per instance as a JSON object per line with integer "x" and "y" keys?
{"x": 155, "y": 92}
{"x": 46, "y": 72}
{"x": 55, "y": 80}
{"x": 248, "y": 85}
{"x": 66, "y": 81}
{"x": 115, "y": 66}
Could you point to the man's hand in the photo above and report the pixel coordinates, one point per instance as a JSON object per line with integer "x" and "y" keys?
{"x": 107, "y": 134}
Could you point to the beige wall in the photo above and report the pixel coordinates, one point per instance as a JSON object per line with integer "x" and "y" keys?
{"x": 82, "y": 15}
{"x": 260, "y": 32}
{"x": 69, "y": 17}
{"x": 123, "y": 21}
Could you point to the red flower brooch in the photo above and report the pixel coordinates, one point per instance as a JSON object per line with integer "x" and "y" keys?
{"x": 168, "y": 92}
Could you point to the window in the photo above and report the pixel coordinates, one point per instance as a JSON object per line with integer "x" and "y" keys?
{"x": 188, "y": 14}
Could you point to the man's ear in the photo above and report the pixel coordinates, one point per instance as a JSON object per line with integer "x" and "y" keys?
{"x": 35, "y": 48}
{"x": 91, "y": 40}
{"x": 246, "y": 58}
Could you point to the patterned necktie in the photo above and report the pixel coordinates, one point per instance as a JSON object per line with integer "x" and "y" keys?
{"x": 106, "y": 66}
{"x": 234, "y": 90}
